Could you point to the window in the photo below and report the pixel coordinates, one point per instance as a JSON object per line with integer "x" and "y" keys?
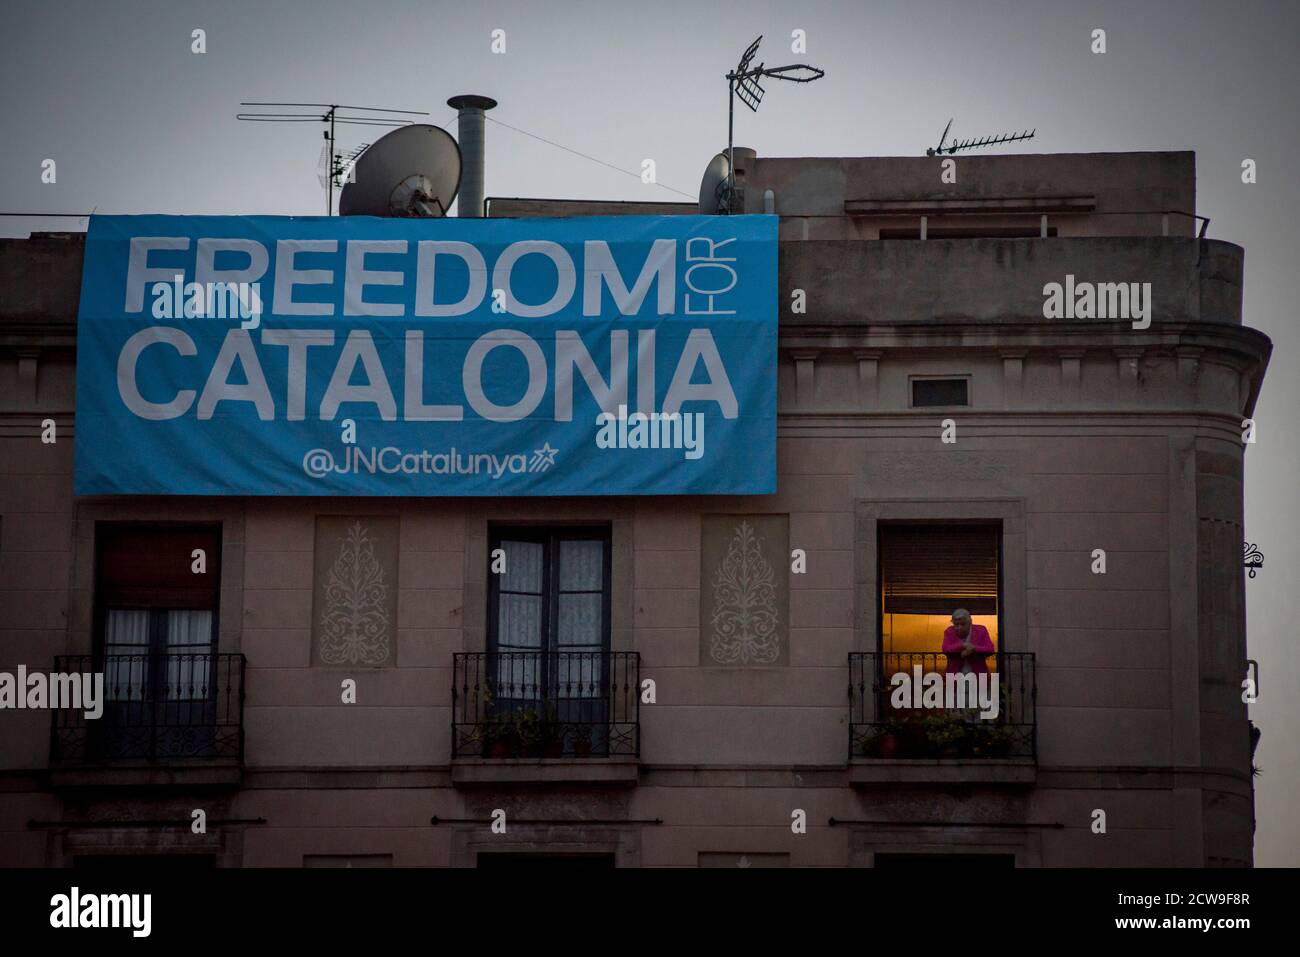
{"x": 553, "y": 596}
{"x": 156, "y": 638}
{"x": 929, "y": 571}
{"x": 932, "y": 688}
{"x": 549, "y": 628}
{"x": 179, "y": 638}
{"x": 928, "y": 393}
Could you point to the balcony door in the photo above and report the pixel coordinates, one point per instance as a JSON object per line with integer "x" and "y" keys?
{"x": 926, "y": 573}
{"x": 549, "y": 631}
{"x": 157, "y": 614}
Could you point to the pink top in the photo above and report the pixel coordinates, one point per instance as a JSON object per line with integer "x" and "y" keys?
{"x": 980, "y": 641}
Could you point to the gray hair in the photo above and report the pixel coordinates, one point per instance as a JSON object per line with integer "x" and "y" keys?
{"x": 959, "y": 614}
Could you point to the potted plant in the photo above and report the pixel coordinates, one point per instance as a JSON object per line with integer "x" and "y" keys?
{"x": 497, "y": 734}
{"x": 582, "y": 741}
{"x": 950, "y": 734}
{"x": 485, "y": 732}
{"x": 869, "y": 743}
{"x": 975, "y": 735}
{"x": 945, "y": 735}
{"x": 883, "y": 740}
{"x": 527, "y": 731}
{"x": 512, "y": 733}
{"x": 978, "y": 735}
{"x": 913, "y": 738}
{"x": 1002, "y": 740}
{"x": 471, "y": 739}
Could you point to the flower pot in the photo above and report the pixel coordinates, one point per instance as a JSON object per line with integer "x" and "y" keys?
{"x": 887, "y": 745}
{"x": 554, "y": 748}
{"x": 582, "y": 748}
{"x": 500, "y": 749}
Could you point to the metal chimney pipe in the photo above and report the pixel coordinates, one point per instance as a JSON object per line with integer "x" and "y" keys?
{"x": 470, "y": 123}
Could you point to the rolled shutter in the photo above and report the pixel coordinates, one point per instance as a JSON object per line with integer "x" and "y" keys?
{"x": 934, "y": 569}
{"x": 149, "y": 566}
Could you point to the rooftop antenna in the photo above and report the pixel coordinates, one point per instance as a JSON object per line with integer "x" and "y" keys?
{"x": 743, "y": 82}
{"x": 344, "y": 164}
{"x": 336, "y": 164}
{"x": 339, "y": 166}
{"x": 939, "y": 148}
{"x": 977, "y": 142}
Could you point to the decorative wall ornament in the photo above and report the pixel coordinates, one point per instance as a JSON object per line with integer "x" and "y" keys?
{"x": 744, "y": 607}
{"x": 355, "y": 591}
{"x": 1254, "y": 559}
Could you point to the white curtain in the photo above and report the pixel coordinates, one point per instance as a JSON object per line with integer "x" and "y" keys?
{"x": 519, "y": 619}
{"x": 580, "y": 629}
{"x": 582, "y": 565}
{"x": 189, "y": 646}
{"x": 126, "y": 651}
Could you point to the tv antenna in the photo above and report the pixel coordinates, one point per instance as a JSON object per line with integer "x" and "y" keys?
{"x": 743, "y": 82}
{"x": 336, "y": 164}
{"x": 344, "y": 163}
{"x": 976, "y": 142}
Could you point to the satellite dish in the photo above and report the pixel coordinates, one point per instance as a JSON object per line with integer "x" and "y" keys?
{"x": 714, "y": 185}
{"x": 412, "y": 171}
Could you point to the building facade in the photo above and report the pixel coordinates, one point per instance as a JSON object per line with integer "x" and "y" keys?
{"x": 701, "y": 681}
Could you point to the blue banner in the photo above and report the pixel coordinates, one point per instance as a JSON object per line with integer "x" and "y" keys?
{"x": 270, "y": 355}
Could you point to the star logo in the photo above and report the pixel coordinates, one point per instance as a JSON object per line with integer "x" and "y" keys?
{"x": 542, "y": 459}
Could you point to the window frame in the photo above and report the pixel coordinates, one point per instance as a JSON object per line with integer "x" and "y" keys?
{"x": 550, "y": 538}
{"x": 102, "y": 606}
{"x": 160, "y": 710}
{"x": 912, "y": 381}
{"x": 881, "y": 528}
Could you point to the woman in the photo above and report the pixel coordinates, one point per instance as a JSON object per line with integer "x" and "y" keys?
{"x": 966, "y": 645}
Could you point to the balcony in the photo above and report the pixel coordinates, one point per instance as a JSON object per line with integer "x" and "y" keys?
{"x": 167, "y": 719}
{"x": 565, "y": 716}
{"x": 924, "y": 739}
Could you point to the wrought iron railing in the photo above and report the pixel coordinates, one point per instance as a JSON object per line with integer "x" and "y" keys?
{"x": 564, "y": 704}
{"x": 885, "y": 722}
{"x": 156, "y": 707}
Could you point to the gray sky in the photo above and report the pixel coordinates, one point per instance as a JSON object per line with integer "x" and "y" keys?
{"x": 137, "y": 124}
